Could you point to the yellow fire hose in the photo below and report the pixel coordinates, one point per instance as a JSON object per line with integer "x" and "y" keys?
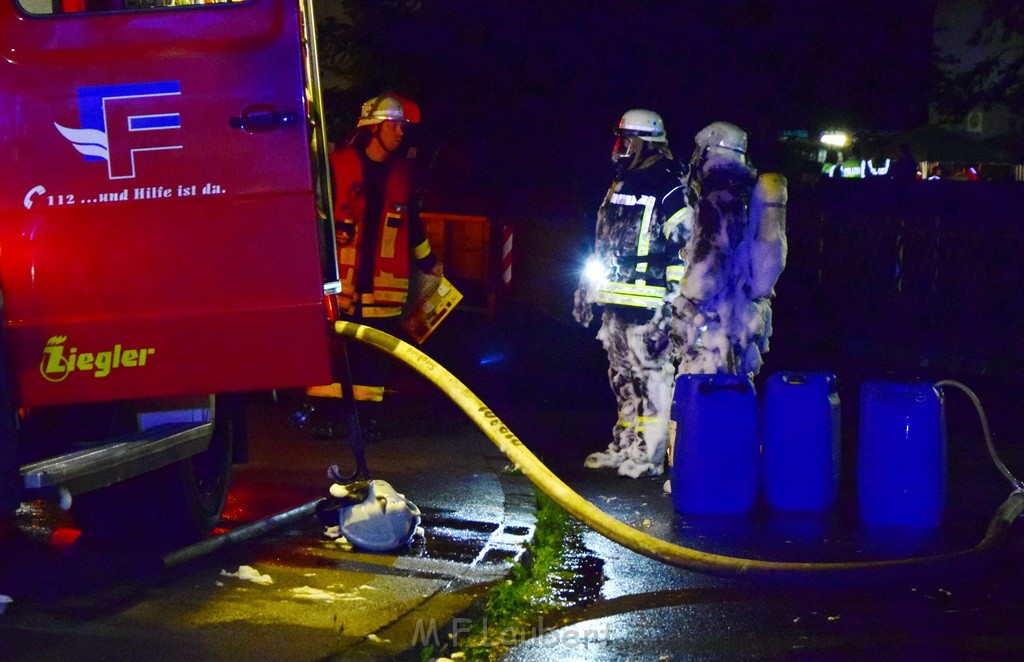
{"x": 655, "y": 548}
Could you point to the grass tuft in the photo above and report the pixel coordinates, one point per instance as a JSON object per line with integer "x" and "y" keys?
{"x": 514, "y": 607}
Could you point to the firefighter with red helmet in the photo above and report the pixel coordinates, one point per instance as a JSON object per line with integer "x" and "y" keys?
{"x": 379, "y": 236}
{"x": 633, "y": 274}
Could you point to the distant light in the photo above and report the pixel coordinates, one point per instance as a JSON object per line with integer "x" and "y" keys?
{"x": 492, "y": 358}
{"x": 835, "y": 139}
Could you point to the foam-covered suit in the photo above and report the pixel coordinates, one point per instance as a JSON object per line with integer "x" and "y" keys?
{"x": 722, "y": 318}
{"x": 641, "y": 226}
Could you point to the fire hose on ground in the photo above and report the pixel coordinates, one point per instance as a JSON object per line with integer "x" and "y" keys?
{"x": 675, "y": 555}
{"x": 754, "y": 570}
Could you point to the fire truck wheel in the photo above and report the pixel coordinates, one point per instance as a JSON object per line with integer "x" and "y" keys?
{"x": 198, "y": 486}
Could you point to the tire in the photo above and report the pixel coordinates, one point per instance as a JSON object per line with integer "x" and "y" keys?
{"x": 197, "y": 487}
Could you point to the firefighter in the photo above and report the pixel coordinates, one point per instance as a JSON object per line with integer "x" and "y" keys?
{"x": 379, "y": 237}
{"x": 633, "y": 273}
{"x": 736, "y": 253}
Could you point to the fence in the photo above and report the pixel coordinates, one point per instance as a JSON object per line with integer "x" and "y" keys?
{"x": 916, "y": 277}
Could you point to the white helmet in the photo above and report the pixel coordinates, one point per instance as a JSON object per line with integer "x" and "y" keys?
{"x": 721, "y": 137}
{"x": 380, "y": 108}
{"x": 645, "y": 124}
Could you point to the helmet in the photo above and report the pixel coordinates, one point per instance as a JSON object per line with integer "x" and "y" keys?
{"x": 722, "y": 136}
{"x": 646, "y": 124}
{"x": 388, "y": 106}
{"x": 410, "y": 108}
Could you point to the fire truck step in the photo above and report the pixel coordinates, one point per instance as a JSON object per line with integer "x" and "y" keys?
{"x": 121, "y": 458}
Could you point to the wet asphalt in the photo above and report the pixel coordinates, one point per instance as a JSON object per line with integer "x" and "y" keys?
{"x": 546, "y": 381}
{"x": 552, "y": 393}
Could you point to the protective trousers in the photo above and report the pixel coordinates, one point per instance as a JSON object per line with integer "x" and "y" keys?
{"x": 641, "y": 376}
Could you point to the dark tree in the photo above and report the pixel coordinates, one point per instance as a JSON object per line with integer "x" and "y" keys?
{"x": 359, "y": 46}
{"x": 998, "y": 77}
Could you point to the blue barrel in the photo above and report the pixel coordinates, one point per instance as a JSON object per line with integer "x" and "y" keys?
{"x": 715, "y": 457}
{"x": 801, "y": 441}
{"x": 901, "y": 455}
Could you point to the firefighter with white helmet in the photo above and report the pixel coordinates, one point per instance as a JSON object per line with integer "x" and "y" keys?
{"x": 633, "y": 274}
{"x": 735, "y": 255}
{"x": 723, "y": 138}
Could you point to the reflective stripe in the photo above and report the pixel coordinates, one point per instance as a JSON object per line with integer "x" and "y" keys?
{"x": 629, "y": 300}
{"x": 381, "y": 296}
{"x": 646, "y": 419}
{"x": 675, "y": 272}
{"x": 676, "y": 219}
{"x": 422, "y": 250}
{"x": 643, "y": 245}
{"x": 389, "y": 296}
{"x": 389, "y": 280}
{"x": 389, "y": 234}
{"x": 366, "y": 308}
{"x": 364, "y": 393}
{"x": 361, "y": 392}
{"x": 385, "y": 297}
{"x": 381, "y": 311}
{"x": 638, "y": 289}
{"x": 325, "y": 391}
{"x": 347, "y": 255}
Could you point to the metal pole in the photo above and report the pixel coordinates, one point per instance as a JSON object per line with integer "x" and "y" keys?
{"x": 242, "y": 533}
{"x": 348, "y": 398}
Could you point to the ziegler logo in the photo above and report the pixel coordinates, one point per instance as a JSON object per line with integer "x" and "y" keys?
{"x": 58, "y": 364}
{"x": 120, "y": 120}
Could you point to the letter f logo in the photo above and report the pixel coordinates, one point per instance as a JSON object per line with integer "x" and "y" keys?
{"x": 120, "y": 120}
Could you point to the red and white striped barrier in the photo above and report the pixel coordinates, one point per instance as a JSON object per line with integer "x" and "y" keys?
{"x": 506, "y": 254}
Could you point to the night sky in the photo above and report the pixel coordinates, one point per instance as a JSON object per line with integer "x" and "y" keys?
{"x": 535, "y": 87}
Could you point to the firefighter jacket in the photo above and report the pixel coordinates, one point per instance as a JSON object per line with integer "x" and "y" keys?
{"x": 641, "y": 226}
{"x": 379, "y": 233}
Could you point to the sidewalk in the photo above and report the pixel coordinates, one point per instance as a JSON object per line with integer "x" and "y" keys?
{"x": 477, "y": 518}
{"x": 306, "y": 597}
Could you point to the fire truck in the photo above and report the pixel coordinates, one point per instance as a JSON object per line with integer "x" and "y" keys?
{"x": 165, "y": 247}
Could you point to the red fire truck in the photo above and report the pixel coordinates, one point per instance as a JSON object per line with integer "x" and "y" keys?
{"x": 165, "y": 245}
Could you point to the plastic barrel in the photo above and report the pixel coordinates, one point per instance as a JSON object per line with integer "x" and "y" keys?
{"x": 715, "y": 458}
{"x": 901, "y": 455}
{"x": 801, "y": 441}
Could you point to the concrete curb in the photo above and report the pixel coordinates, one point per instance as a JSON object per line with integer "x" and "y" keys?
{"x": 470, "y": 584}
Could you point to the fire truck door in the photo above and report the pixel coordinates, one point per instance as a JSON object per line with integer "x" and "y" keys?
{"x": 158, "y": 199}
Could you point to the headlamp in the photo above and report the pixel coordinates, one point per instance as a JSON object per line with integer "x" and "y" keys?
{"x": 594, "y": 270}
